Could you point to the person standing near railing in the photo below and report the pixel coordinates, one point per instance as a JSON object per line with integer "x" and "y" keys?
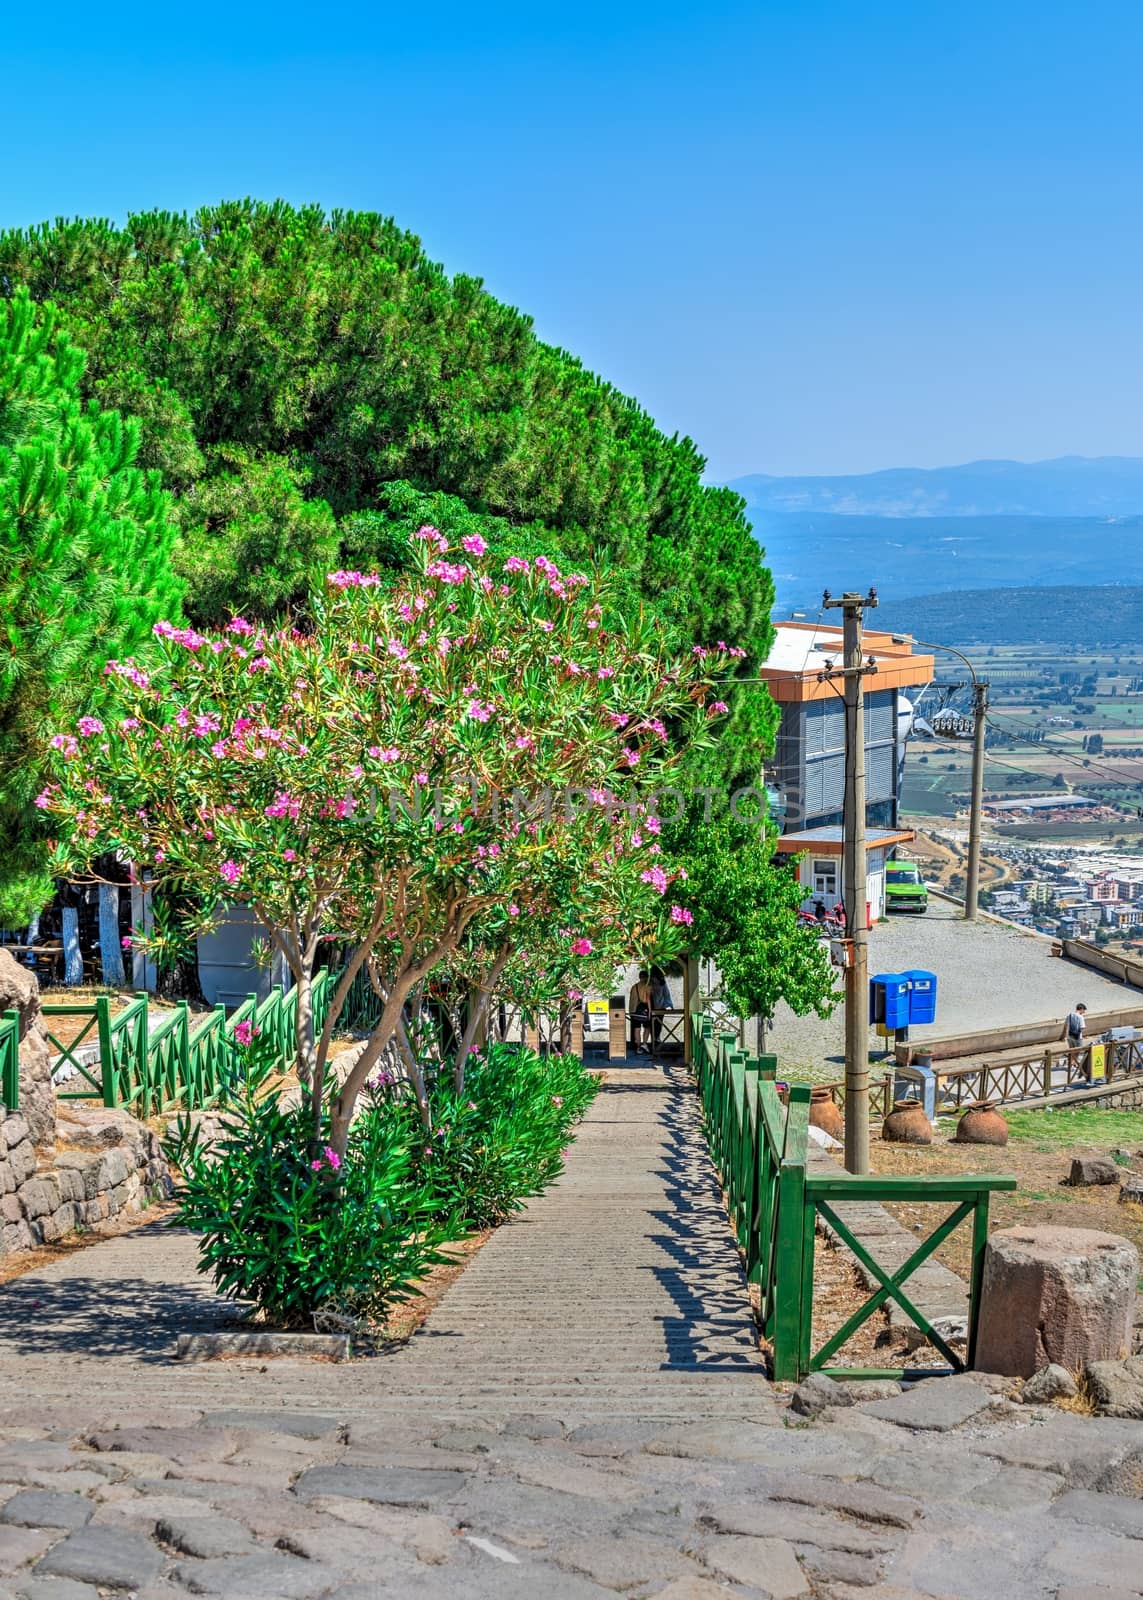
{"x": 639, "y": 1005}
{"x": 1074, "y": 1026}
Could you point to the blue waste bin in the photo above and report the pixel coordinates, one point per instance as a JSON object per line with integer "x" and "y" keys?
{"x": 922, "y": 996}
{"x": 889, "y": 999}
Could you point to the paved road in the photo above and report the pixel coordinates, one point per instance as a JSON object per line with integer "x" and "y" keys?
{"x": 989, "y": 975}
{"x": 584, "y": 1416}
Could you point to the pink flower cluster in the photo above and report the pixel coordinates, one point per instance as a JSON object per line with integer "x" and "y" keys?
{"x": 680, "y": 914}
{"x": 187, "y": 637}
{"x": 581, "y": 947}
{"x": 245, "y": 1032}
{"x": 341, "y": 579}
{"x": 451, "y": 572}
{"x": 329, "y": 1160}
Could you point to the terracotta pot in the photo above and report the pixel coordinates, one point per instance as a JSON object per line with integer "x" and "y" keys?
{"x": 907, "y": 1124}
{"x": 982, "y": 1124}
{"x": 825, "y": 1113}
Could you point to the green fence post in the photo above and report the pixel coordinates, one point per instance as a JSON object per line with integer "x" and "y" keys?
{"x": 109, "y": 1078}
{"x": 979, "y": 1242}
{"x": 788, "y": 1254}
{"x": 147, "y": 1103}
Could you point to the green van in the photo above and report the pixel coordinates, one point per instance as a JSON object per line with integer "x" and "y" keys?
{"x": 904, "y": 887}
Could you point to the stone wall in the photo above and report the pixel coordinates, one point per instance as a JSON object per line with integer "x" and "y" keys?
{"x": 64, "y": 1166}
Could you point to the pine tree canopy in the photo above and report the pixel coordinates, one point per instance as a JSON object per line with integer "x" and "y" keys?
{"x": 311, "y": 387}
{"x": 85, "y": 569}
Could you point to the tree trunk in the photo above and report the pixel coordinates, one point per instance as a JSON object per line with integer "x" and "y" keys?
{"x": 477, "y": 1012}
{"x": 73, "y": 961}
{"x": 110, "y": 949}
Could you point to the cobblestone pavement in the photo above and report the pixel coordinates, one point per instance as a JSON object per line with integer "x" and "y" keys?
{"x": 989, "y": 975}
{"x": 582, "y": 1417}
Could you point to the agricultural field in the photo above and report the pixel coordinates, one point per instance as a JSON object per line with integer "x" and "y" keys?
{"x": 1060, "y": 719}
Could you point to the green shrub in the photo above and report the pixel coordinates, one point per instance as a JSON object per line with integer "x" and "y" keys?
{"x": 290, "y": 1229}
{"x": 502, "y": 1138}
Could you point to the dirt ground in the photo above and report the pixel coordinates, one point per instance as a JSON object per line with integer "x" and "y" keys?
{"x": 1042, "y": 1197}
{"x": 66, "y": 1030}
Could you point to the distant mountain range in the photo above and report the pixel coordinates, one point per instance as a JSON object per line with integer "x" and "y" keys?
{"x": 1068, "y": 486}
{"x": 922, "y": 531}
{"x": 1067, "y": 617}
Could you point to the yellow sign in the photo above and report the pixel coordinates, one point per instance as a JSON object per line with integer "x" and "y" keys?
{"x": 1098, "y": 1063}
{"x": 597, "y": 1007}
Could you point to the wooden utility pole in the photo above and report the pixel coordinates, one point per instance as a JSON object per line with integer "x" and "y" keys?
{"x": 853, "y": 866}
{"x": 979, "y": 728}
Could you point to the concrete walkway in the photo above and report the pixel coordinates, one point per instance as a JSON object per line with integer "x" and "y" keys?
{"x": 616, "y": 1292}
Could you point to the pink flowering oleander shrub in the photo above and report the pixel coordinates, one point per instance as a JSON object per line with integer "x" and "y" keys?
{"x": 386, "y": 775}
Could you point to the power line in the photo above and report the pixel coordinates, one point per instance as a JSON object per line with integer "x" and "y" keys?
{"x": 1065, "y": 756}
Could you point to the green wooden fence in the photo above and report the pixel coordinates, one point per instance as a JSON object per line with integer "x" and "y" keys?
{"x": 10, "y": 1060}
{"x": 760, "y": 1149}
{"x": 150, "y": 1064}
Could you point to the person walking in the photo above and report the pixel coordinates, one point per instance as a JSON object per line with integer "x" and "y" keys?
{"x": 661, "y": 1002}
{"x": 639, "y": 1005}
{"x": 1074, "y": 1026}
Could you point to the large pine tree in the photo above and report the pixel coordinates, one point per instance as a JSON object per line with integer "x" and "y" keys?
{"x": 85, "y": 569}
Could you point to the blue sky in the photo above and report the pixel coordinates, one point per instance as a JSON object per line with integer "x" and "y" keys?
{"x": 815, "y": 237}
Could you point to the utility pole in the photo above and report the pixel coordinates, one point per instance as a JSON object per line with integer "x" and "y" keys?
{"x": 979, "y": 729}
{"x": 853, "y": 865}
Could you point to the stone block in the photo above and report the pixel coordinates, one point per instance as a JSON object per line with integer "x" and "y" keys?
{"x": 70, "y": 1182}
{"x": 113, "y": 1170}
{"x": 936, "y": 1405}
{"x": 84, "y": 1165}
{"x": 15, "y": 1236}
{"x": 10, "y": 1208}
{"x": 22, "y": 1160}
{"x": 47, "y": 1508}
{"x": 1132, "y": 1192}
{"x": 40, "y": 1197}
{"x": 7, "y": 1178}
{"x": 1062, "y": 1295}
{"x": 1089, "y": 1170}
{"x": 61, "y": 1222}
{"x": 1052, "y": 1382}
{"x": 109, "y": 1558}
{"x": 817, "y": 1394}
{"x": 1117, "y": 1387}
{"x": 16, "y": 1130}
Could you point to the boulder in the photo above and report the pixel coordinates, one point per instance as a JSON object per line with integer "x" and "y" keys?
{"x": 1089, "y": 1170}
{"x": 1053, "y": 1382}
{"x": 818, "y": 1393}
{"x": 1117, "y": 1387}
{"x": 1055, "y": 1295}
{"x": 20, "y": 991}
{"x": 1132, "y": 1192}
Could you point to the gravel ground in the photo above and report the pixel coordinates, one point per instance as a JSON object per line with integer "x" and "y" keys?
{"x": 989, "y": 975}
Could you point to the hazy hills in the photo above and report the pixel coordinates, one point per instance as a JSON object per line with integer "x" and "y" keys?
{"x": 988, "y": 524}
{"x": 1068, "y": 486}
{"x": 1063, "y": 616}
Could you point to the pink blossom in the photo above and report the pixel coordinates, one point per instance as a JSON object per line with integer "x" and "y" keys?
{"x": 230, "y": 872}
{"x": 397, "y": 650}
{"x": 283, "y": 805}
{"x": 65, "y": 744}
{"x": 548, "y": 568}
{"x": 447, "y": 571}
{"x": 206, "y": 722}
{"x": 239, "y": 625}
{"x": 245, "y": 1031}
{"x": 219, "y": 749}
{"x": 479, "y": 710}
{"x": 557, "y": 1100}
{"x": 44, "y": 799}
{"x": 289, "y": 855}
{"x": 421, "y": 777}
{"x": 513, "y": 910}
{"x": 606, "y": 672}
{"x": 352, "y": 580}
{"x": 516, "y": 564}
{"x": 87, "y": 727}
{"x": 581, "y": 947}
{"x": 546, "y": 625}
{"x": 631, "y": 757}
{"x": 653, "y": 825}
{"x": 474, "y": 544}
{"x": 259, "y": 664}
{"x": 656, "y": 877}
{"x": 126, "y": 941}
{"x": 128, "y": 723}
{"x": 718, "y": 709}
{"x": 524, "y": 741}
{"x": 682, "y": 915}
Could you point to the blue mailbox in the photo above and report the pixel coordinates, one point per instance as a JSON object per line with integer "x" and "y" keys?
{"x": 889, "y": 999}
{"x": 922, "y": 996}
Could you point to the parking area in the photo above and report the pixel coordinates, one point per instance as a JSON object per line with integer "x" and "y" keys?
{"x": 989, "y": 975}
